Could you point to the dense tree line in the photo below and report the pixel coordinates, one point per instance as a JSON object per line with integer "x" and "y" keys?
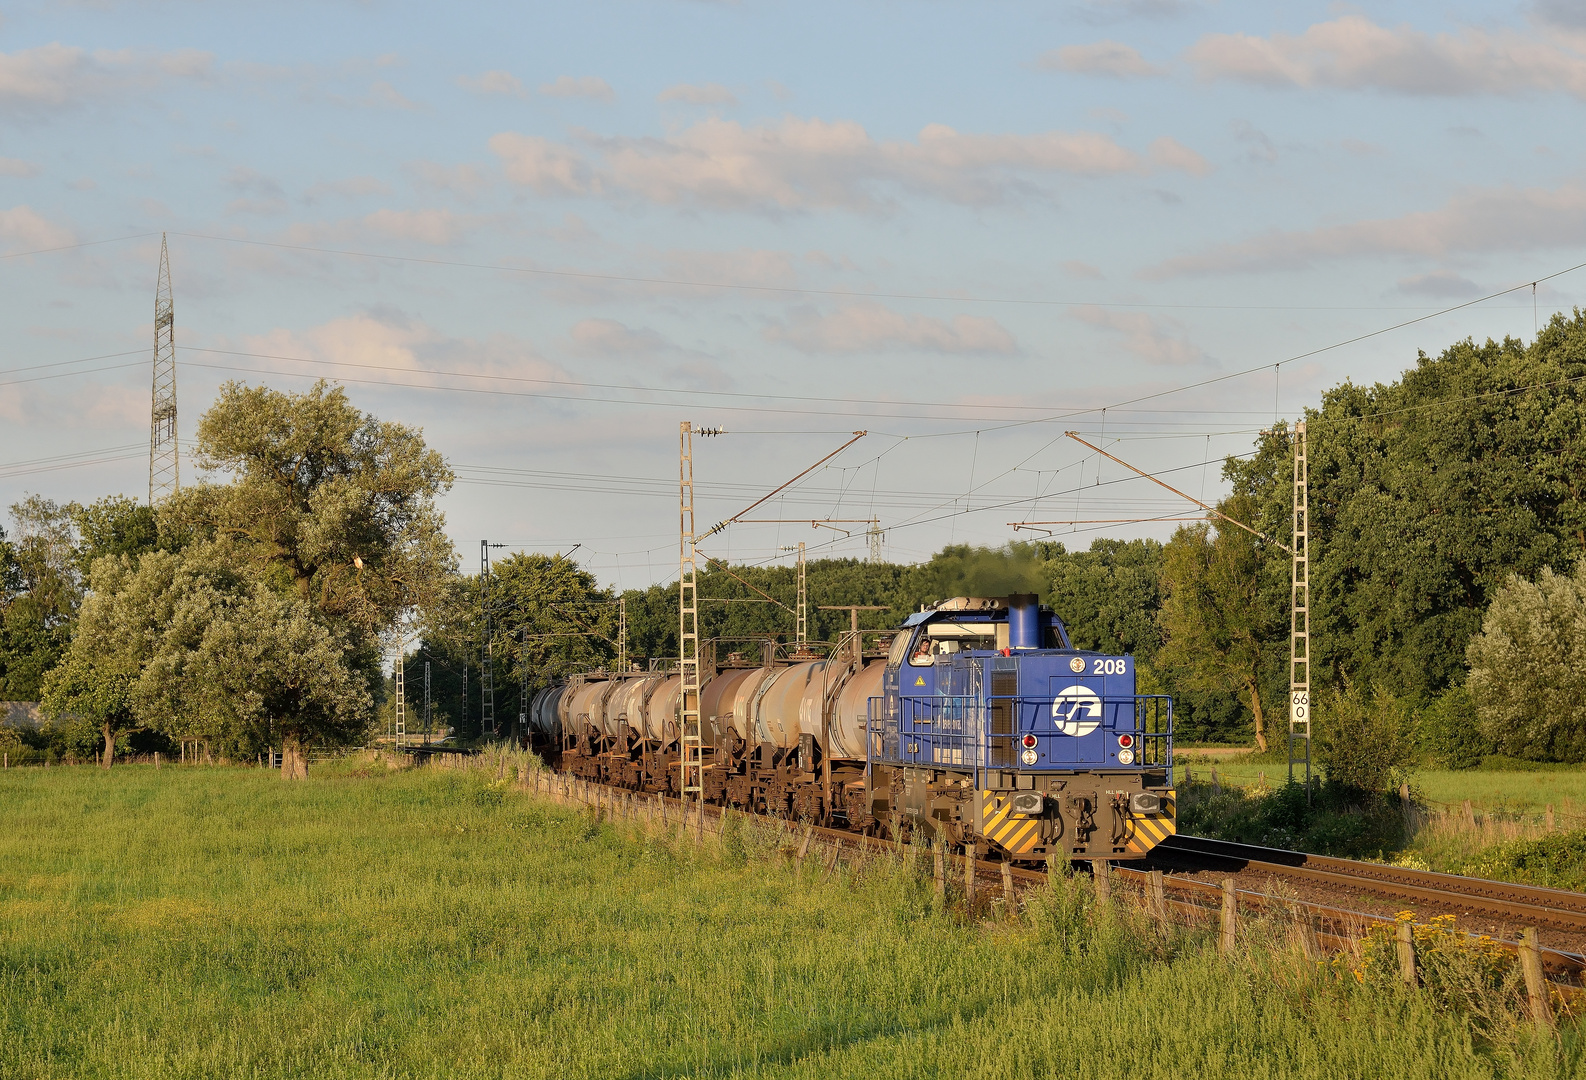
{"x": 1447, "y": 523}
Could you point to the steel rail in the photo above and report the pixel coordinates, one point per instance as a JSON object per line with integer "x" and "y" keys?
{"x": 1555, "y": 908}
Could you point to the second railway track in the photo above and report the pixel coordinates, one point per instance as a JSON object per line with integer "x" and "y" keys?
{"x": 1557, "y": 909}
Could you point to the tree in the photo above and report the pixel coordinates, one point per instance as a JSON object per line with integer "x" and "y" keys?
{"x": 39, "y": 592}
{"x": 272, "y": 668}
{"x": 1363, "y": 736}
{"x": 94, "y": 682}
{"x": 114, "y": 525}
{"x": 1528, "y": 667}
{"x": 1427, "y": 493}
{"x": 328, "y": 502}
{"x": 1224, "y": 611}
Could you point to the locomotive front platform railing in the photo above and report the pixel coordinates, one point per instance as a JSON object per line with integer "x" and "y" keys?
{"x": 973, "y": 733}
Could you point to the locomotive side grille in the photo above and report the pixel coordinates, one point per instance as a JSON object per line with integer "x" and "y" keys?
{"x": 1004, "y": 685}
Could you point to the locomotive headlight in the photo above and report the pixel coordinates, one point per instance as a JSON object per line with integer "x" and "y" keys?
{"x": 1029, "y": 757}
{"x": 1145, "y": 802}
{"x": 1126, "y": 756}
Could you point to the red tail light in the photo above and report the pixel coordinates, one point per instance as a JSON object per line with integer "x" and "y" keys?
{"x": 1126, "y": 740}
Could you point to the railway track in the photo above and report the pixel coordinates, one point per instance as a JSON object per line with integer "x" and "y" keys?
{"x": 1526, "y": 905}
{"x": 1184, "y": 899}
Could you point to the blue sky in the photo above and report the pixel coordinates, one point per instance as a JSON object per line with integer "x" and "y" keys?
{"x": 548, "y": 233}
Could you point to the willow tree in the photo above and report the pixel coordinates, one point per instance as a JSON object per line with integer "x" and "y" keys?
{"x": 330, "y": 507}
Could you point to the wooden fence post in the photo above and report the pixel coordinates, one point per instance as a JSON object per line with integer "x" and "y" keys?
{"x": 1407, "y": 952}
{"x": 804, "y": 847}
{"x": 1230, "y": 928}
{"x": 941, "y": 870}
{"x": 1470, "y": 815}
{"x": 1549, "y": 817}
{"x": 1007, "y": 884}
{"x": 831, "y": 861}
{"x": 1158, "y": 897}
{"x": 1101, "y": 872}
{"x": 969, "y": 876}
{"x": 1535, "y": 984}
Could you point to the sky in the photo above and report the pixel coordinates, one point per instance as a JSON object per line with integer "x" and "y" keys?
{"x": 548, "y": 234}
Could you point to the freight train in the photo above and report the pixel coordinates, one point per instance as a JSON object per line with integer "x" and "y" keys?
{"x": 976, "y": 724}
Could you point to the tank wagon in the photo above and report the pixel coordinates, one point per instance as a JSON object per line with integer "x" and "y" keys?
{"x": 981, "y": 726}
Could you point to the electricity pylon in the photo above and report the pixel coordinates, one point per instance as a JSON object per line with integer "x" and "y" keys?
{"x": 165, "y": 475}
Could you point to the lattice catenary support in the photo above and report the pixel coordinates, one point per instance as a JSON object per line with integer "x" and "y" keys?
{"x": 691, "y": 749}
{"x": 1300, "y": 616}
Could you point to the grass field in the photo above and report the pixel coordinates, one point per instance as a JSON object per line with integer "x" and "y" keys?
{"x": 1511, "y": 793}
{"x": 219, "y": 922}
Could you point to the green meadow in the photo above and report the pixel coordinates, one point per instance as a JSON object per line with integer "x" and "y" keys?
{"x": 218, "y": 922}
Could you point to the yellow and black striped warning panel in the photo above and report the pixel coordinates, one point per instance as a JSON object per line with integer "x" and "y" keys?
{"x": 1016, "y": 835}
{"x": 1148, "y": 830}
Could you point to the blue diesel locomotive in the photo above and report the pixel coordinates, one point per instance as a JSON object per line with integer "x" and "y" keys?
{"x": 994, "y": 734}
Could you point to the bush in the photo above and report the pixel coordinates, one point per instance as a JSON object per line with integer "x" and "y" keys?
{"x": 1528, "y": 667}
{"x": 1338, "y": 820}
{"x": 1449, "y": 732}
{"x": 1557, "y": 861}
{"x": 1364, "y": 739}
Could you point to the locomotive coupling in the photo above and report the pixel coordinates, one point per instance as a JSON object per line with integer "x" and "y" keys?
{"x": 1028, "y": 804}
{"x": 1145, "y": 802}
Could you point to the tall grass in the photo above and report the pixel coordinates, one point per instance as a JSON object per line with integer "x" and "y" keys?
{"x": 435, "y": 922}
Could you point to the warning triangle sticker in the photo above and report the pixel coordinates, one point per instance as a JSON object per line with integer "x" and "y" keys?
{"x": 919, "y": 680}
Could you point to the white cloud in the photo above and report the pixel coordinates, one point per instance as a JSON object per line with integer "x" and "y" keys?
{"x": 1100, "y": 58}
{"x": 1440, "y": 284}
{"x": 549, "y": 168}
{"x": 382, "y": 95}
{"x": 389, "y": 339}
{"x": 587, "y": 86}
{"x": 698, "y": 94}
{"x": 608, "y": 337}
{"x": 351, "y": 188}
{"x": 440, "y": 228}
{"x": 501, "y": 83}
{"x": 1355, "y": 53}
{"x": 23, "y": 229}
{"x": 56, "y": 75}
{"x": 1075, "y": 268}
{"x": 1172, "y": 154}
{"x": 1157, "y": 341}
{"x": 17, "y": 167}
{"x": 868, "y": 327}
{"x": 1475, "y": 221}
{"x": 797, "y": 164}
{"x": 259, "y": 193}
{"x": 465, "y": 180}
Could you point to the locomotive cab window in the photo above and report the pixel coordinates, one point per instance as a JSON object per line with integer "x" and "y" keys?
{"x": 945, "y": 639}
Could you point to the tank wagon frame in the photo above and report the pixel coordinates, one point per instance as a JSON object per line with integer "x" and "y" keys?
{"x": 976, "y": 724}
